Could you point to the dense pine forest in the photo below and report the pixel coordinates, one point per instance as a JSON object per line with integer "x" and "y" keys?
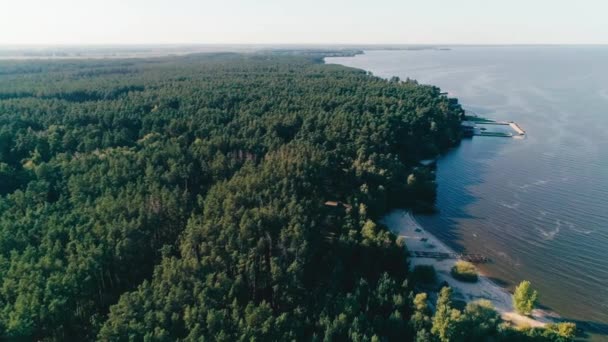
{"x": 186, "y": 198}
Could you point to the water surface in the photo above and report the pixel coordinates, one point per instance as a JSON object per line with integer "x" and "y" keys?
{"x": 537, "y": 206}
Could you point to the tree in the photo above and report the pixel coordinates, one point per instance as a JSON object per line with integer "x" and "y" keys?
{"x": 479, "y": 321}
{"x": 563, "y": 329}
{"x": 210, "y": 173}
{"x": 423, "y": 336}
{"x": 525, "y": 298}
{"x": 445, "y": 321}
{"x": 420, "y": 319}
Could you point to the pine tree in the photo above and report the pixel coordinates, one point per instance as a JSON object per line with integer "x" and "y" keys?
{"x": 446, "y": 319}
{"x": 525, "y": 298}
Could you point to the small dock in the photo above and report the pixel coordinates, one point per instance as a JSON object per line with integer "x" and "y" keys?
{"x": 470, "y": 257}
{"x": 516, "y": 128}
{"x": 471, "y": 128}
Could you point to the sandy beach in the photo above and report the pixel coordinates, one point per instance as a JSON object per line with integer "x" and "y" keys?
{"x": 417, "y": 238}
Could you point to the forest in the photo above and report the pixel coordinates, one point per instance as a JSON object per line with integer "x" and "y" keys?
{"x": 186, "y": 198}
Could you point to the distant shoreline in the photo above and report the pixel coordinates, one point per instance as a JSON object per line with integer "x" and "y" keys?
{"x": 68, "y": 52}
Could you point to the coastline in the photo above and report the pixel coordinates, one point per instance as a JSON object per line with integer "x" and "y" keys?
{"x": 569, "y": 286}
{"x": 403, "y": 224}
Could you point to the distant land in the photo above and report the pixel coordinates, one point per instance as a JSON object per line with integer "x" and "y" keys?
{"x": 145, "y": 51}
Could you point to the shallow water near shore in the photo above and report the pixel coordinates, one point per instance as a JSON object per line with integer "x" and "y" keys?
{"x": 538, "y": 206}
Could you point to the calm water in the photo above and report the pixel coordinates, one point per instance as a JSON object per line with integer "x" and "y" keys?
{"x": 537, "y": 206}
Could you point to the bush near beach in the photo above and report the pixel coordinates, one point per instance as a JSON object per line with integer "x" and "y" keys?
{"x": 424, "y": 274}
{"x": 464, "y": 271}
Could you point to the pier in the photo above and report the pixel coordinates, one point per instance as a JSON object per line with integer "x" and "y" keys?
{"x": 516, "y": 128}
{"x": 470, "y": 257}
{"x": 471, "y": 128}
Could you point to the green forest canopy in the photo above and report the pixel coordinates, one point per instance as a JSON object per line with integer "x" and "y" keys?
{"x": 183, "y": 198}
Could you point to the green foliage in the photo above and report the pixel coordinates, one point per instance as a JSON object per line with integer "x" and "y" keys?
{"x": 182, "y": 197}
{"x": 446, "y": 319}
{"x": 549, "y": 334}
{"x": 479, "y": 321}
{"x": 566, "y": 330}
{"x": 421, "y": 320}
{"x": 424, "y": 274}
{"x": 421, "y": 189}
{"x": 525, "y": 298}
{"x": 464, "y": 271}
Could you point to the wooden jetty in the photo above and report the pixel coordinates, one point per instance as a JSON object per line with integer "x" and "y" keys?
{"x": 516, "y": 128}
{"x": 470, "y": 257}
{"x": 470, "y": 128}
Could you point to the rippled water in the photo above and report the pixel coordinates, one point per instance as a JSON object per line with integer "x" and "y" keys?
{"x": 537, "y": 206}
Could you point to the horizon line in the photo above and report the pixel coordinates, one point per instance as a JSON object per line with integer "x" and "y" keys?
{"x": 164, "y": 44}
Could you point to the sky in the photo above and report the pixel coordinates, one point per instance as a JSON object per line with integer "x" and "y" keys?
{"x": 51, "y": 22}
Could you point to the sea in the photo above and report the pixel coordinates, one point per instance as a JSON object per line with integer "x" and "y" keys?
{"x": 536, "y": 206}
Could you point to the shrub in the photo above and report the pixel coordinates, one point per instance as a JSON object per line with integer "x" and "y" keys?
{"x": 425, "y": 274}
{"x": 564, "y": 329}
{"x": 464, "y": 271}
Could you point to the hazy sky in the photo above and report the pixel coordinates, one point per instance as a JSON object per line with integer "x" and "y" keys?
{"x": 304, "y": 21}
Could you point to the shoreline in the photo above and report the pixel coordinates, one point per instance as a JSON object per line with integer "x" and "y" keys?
{"x": 417, "y": 238}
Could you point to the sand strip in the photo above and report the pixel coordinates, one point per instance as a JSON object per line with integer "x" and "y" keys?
{"x": 417, "y": 238}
